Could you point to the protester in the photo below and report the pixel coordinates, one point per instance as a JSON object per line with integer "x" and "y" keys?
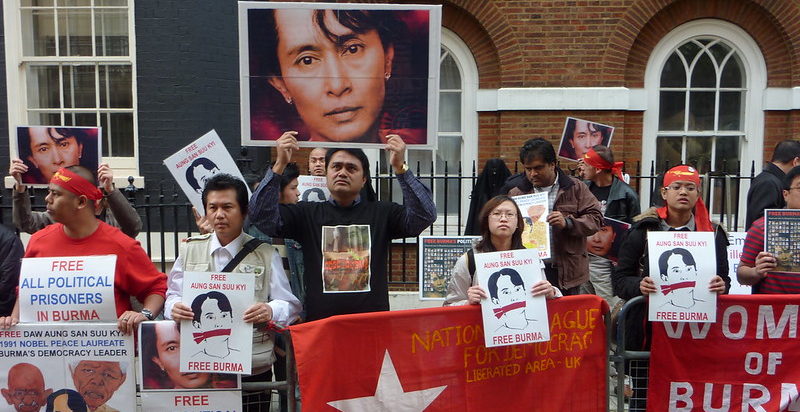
{"x": 573, "y": 213}
{"x": 501, "y": 227}
{"x": 116, "y": 210}
{"x": 684, "y": 211}
{"x": 97, "y": 381}
{"x": 316, "y": 161}
{"x": 487, "y": 186}
{"x": 25, "y": 392}
{"x": 11, "y": 252}
{"x": 766, "y": 189}
{"x": 71, "y": 202}
{"x": 229, "y": 249}
{"x": 618, "y": 201}
{"x": 347, "y": 172}
{"x": 758, "y": 267}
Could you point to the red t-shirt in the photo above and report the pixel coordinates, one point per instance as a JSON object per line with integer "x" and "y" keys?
{"x": 135, "y": 274}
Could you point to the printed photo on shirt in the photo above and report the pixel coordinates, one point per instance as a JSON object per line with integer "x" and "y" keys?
{"x": 537, "y": 231}
{"x": 346, "y": 258}
{"x": 45, "y": 149}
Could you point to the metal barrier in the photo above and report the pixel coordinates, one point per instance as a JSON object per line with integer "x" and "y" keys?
{"x": 633, "y": 363}
{"x": 254, "y": 394}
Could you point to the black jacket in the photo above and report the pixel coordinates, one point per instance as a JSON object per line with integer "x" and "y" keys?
{"x": 11, "y": 252}
{"x": 633, "y": 265}
{"x": 487, "y": 186}
{"x": 766, "y": 192}
{"x": 622, "y": 203}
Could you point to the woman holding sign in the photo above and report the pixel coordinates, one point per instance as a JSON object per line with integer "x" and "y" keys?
{"x": 501, "y": 226}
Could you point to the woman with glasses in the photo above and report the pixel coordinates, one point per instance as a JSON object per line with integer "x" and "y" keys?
{"x": 684, "y": 211}
{"x": 501, "y": 226}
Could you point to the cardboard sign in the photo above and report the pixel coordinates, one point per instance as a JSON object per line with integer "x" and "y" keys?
{"x": 735, "y": 245}
{"x": 218, "y": 339}
{"x": 537, "y": 231}
{"x": 437, "y": 257}
{"x": 581, "y": 135}
{"x": 782, "y": 238}
{"x": 193, "y": 165}
{"x": 511, "y": 315}
{"x": 165, "y": 388}
{"x": 45, "y": 149}
{"x": 61, "y": 289}
{"x": 682, "y": 265}
{"x": 313, "y": 188}
{"x": 89, "y": 364}
{"x": 606, "y": 242}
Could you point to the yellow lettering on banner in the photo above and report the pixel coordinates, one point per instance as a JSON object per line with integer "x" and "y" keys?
{"x": 445, "y": 337}
{"x": 567, "y": 342}
{"x": 482, "y": 374}
{"x": 574, "y": 319}
{"x": 540, "y": 365}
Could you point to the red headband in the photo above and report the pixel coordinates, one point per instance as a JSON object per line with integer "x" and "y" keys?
{"x": 685, "y": 173}
{"x": 76, "y": 184}
{"x": 593, "y": 159}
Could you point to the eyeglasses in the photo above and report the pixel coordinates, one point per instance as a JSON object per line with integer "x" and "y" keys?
{"x": 19, "y": 393}
{"x": 793, "y": 188}
{"x": 500, "y": 215}
{"x": 677, "y": 187}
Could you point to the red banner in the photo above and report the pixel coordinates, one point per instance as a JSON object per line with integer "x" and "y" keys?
{"x": 436, "y": 359}
{"x": 746, "y": 361}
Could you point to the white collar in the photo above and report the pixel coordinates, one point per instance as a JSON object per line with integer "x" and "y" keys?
{"x": 233, "y": 247}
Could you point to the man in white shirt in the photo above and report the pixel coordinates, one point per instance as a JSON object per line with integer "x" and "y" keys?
{"x": 225, "y": 200}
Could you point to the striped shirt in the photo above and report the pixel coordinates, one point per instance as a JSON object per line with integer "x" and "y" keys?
{"x": 774, "y": 282}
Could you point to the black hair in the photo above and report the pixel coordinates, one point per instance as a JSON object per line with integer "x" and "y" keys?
{"x": 290, "y": 173}
{"x": 264, "y": 37}
{"x": 200, "y": 161}
{"x": 152, "y": 376}
{"x": 514, "y": 276}
{"x": 687, "y": 257}
{"x": 319, "y": 192}
{"x": 357, "y": 153}
{"x": 75, "y": 401}
{"x": 222, "y": 302}
{"x": 537, "y": 148}
{"x": 224, "y": 181}
{"x": 786, "y": 151}
{"x": 793, "y": 174}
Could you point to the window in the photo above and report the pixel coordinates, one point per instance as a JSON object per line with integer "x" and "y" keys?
{"x": 705, "y": 83}
{"x": 457, "y": 137}
{"x": 76, "y": 68}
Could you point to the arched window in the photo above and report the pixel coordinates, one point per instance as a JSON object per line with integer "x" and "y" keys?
{"x": 705, "y": 81}
{"x": 457, "y": 136}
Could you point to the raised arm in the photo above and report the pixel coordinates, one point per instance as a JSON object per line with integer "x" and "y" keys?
{"x": 419, "y": 211}
{"x": 263, "y": 208}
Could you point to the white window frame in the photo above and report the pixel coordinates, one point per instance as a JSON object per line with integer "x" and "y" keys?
{"x": 755, "y": 69}
{"x": 469, "y": 129}
{"x": 17, "y": 96}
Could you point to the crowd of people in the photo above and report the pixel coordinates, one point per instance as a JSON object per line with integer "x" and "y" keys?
{"x": 87, "y": 215}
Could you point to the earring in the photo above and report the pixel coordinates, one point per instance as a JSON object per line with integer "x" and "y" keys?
{"x": 386, "y": 76}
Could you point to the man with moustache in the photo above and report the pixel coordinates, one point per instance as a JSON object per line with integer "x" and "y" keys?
{"x": 97, "y": 381}
{"x": 25, "y": 392}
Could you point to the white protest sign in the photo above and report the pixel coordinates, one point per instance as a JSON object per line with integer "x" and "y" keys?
{"x": 313, "y": 188}
{"x": 165, "y": 388}
{"x": 59, "y": 289}
{"x": 193, "y": 165}
{"x": 537, "y": 231}
{"x": 511, "y": 315}
{"x": 682, "y": 265}
{"x": 736, "y": 243}
{"x": 91, "y": 364}
{"x": 183, "y": 401}
{"x": 218, "y": 340}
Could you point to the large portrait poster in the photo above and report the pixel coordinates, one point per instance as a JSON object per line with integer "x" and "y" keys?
{"x": 682, "y": 265}
{"x": 511, "y": 315}
{"x": 346, "y": 258}
{"x": 581, "y": 135}
{"x": 217, "y": 339}
{"x": 344, "y": 73}
{"x": 313, "y": 188}
{"x": 199, "y": 161}
{"x": 782, "y": 238}
{"x": 437, "y": 257}
{"x": 165, "y": 388}
{"x": 45, "y": 149}
{"x": 88, "y": 366}
{"x": 606, "y": 242}
{"x": 537, "y": 231}
{"x": 62, "y": 289}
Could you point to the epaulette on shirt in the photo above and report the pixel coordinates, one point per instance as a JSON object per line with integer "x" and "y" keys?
{"x": 196, "y": 238}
